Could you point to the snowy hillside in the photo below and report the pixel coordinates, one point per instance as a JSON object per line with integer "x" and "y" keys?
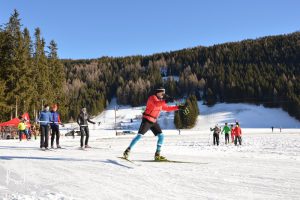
{"x": 249, "y": 116}
{"x": 266, "y": 166}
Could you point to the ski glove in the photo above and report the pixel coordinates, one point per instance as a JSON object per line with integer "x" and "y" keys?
{"x": 182, "y": 107}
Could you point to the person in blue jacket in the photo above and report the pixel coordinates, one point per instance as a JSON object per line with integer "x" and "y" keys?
{"x": 55, "y": 126}
{"x": 45, "y": 119}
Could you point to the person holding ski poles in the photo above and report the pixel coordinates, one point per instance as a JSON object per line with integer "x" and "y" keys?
{"x": 45, "y": 119}
{"x": 82, "y": 120}
{"x": 238, "y": 134}
{"x": 232, "y": 133}
{"x": 55, "y": 126}
{"x": 155, "y": 104}
{"x": 226, "y": 129}
{"x": 216, "y": 133}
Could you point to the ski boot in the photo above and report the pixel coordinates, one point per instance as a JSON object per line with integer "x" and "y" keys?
{"x": 87, "y": 146}
{"x": 58, "y": 146}
{"x": 158, "y": 157}
{"x": 126, "y": 153}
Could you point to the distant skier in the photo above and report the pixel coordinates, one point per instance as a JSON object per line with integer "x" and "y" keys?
{"x": 238, "y": 134}
{"x": 155, "y": 104}
{"x": 226, "y": 129}
{"x": 82, "y": 120}
{"x": 232, "y": 133}
{"x": 272, "y": 128}
{"x": 216, "y": 133}
{"x": 45, "y": 119}
{"x": 55, "y": 126}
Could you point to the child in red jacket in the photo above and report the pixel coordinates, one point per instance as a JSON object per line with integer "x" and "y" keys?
{"x": 232, "y": 133}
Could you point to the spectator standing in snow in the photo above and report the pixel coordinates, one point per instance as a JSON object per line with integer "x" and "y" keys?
{"x": 232, "y": 133}
{"x": 82, "y": 120}
{"x": 238, "y": 134}
{"x": 22, "y": 128}
{"x": 55, "y": 126}
{"x": 226, "y": 129}
{"x": 216, "y": 132}
{"x": 45, "y": 119}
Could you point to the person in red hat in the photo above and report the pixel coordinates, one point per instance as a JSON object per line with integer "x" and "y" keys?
{"x": 155, "y": 104}
{"x": 55, "y": 126}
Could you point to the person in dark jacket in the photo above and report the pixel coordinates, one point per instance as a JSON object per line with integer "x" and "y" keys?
{"x": 216, "y": 131}
{"x": 45, "y": 119}
{"x": 55, "y": 126}
{"x": 82, "y": 120}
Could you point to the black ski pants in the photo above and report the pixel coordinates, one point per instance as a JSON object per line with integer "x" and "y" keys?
{"x": 55, "y": 133}
{"x": 226, "y": 138}
{"x": 84, "y": 130}
{"x": 216, "y": 139}
{"x": 44, "y": 136}
{"x": 238, "y": 139}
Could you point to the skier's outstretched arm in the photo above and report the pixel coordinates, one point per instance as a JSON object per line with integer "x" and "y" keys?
{"x": 167, "y": 108}
{"x": 89, "y": 120}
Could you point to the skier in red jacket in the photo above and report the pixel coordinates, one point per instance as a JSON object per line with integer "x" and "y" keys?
{"x": 238, "y": 134}
{"x": 155, "y": 104}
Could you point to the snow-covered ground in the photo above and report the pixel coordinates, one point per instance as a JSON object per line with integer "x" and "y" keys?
{"x": 266, "y": 166}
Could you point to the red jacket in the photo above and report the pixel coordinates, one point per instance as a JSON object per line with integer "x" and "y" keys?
{"x": 232, "y": 131}
{"x": 154, "y": 106}
{"x": 237, "y": 131}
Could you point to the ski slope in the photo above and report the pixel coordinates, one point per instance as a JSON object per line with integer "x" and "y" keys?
{"x": 266, "y": 166}
{"x": 250, "y": 117}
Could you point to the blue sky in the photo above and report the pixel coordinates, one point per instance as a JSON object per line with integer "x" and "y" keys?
{"x": 95, "y": 28}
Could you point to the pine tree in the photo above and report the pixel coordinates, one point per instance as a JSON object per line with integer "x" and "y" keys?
{"x": 19, "y": 72}
{"x": 57, "y": 77}
{"x": 178, "y": 120}
{"x": 41, "y": 70}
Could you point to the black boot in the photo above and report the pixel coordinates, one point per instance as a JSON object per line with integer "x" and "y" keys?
{"x": 158, "y": 157}
{"x": 126, "y": 153}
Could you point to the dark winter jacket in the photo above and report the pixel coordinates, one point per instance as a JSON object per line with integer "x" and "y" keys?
{"x": 216, "y": 130}
{"x": 83, "y": 119}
